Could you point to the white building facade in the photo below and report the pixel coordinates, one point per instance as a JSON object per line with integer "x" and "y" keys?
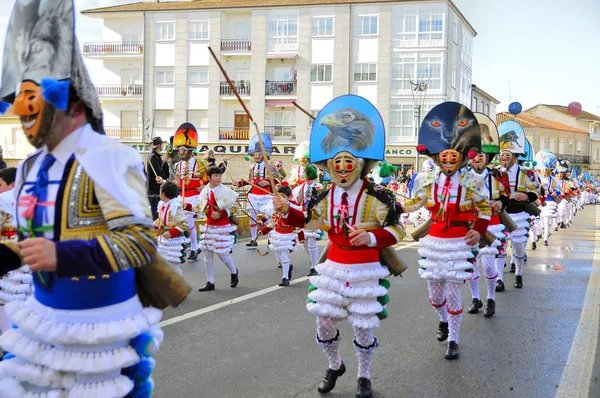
{"x": 482, "y": 102}
{"x": 158, "y": 72}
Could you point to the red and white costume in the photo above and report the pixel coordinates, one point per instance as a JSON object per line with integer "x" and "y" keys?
{"x": 172, "y": 219}
{"x": 259, "y": 199}
{"x": 282, "y": 238}
{"x": 190, "y": 180}
{"x": 302, "y": 194}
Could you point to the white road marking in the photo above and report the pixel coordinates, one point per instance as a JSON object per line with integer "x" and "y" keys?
{"x": 577, "y": 376}
{"x": 214, "y": 307}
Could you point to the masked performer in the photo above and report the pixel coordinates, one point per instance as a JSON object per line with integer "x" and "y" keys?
{"x": 84, "y": 228}
{"x": 523, "y": 191}
{"x": 301, "y": 155}
{"x": 491, "y": 257}
{"x": 361, "y": 219}
{"x": 172, "y": 224}
{"x": 450, "y": 135}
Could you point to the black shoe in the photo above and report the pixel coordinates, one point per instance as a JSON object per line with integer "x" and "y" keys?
{"x": 525, "y": 259}
{"x": 513, "y": 268}
{"x": 518, "y": 282}
{"x": 290, "y": 272}
{"x": 490, "y": 308}
{"x": 539, "y": 237}
{"x": 499, "y": 286}
{"x": 284, "y": 282}
{"x": 193, "y": 255}
{"x": 442, "y": 331}
{"x": 252, "y": 244}
{"x": 545, "y": 243}
{"x": 278, "y": 265}
{"x": 235, "y": 278}
{"x": 452, "y": 350}
{"x": 363, "y": 388}
{"x": 475, "y": 306}
{"x": 562, "y": 225}
{"x": 313, "y": 272}
{"x": 207, "y": 288}
{"x": 555, "y": 229}
{"x": 533, "y": 246}
{"x": 328, "y": 382}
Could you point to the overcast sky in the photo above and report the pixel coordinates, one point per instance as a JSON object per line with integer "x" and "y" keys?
{"x": 548, "y": 49}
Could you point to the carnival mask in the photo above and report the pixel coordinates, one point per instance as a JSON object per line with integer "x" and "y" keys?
{"x": 37, "y": 117}
{"x": 345, "y": 169}
{"x": 479, "y": 162}
{"x": 257, "y": 156}
{"x": 184, "y": 153}
{"x": 544, "y": 172}
{"x": 450, "y": 161}
{"x": 560, "y": 176}
{"x": 303, "y": 161}
{"x": 507, "y": 159}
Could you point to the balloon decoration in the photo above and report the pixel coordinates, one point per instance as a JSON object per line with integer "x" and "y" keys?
{"x": 574, "y": 108}
{"x": 515, "y": 108}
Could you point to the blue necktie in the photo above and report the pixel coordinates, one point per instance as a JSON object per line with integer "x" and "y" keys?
{"x": 40, "y": 191}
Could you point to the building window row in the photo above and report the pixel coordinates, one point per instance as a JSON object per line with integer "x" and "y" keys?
{"x": 198, "y": 30}
{"x": 365, "y": 72}
{"x": 366, "y": 25}
{"x": 321, "y": 73}
{"x": 427, "y": 26}
{"x": 322, "y": 26}
{"x": 164, "y": 31}
{"x": 421, "y": 67}
{"x": 403, "y": 118}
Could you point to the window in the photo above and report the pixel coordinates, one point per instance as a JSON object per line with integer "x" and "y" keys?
{"x": 596, "y": 154}
{"x": 243, "y": 31}
{"x": 455, "y": 33}
{"x": 482, "y": 107}
{"x": 163, "y": 119}
{"x": 430, "y": 27}
{"x": 487, "y": 109}
{"x": 366, "y": 25}
{"x": 475, "y": 104}
{"x": 467, "y": 47}
{"x": 322, "y": 26}
{"x": 403, "y": 67}
{"x": 570, "y": 149}
{"x": 321, "y": 73}
{"x": 365, "y": 72}
{"x": 198, "y": 30}
{"x": 131, "y": 34}
{"x": 402, "y": 122}
{"x": 429, "y": 68}
{"x": 198, "y": 75}
{"x": 405, "y": 27}
{"x": 284, "y": 118}
{"x": 283, "y": 32}
{"x": 164, "y": 31}
{"x": 163, "y": 76}
{"x": 198, "y": 118}
{"x": 454, "y": 78}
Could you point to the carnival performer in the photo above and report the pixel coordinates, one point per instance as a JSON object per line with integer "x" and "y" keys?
{"x": 301, "y": 155}
{"x": 545, "y": 164}
{"x": 492, "y": 256}
{"x": 565, "y": 194}
{"x": 571, "y": 190}
{"x": 172, "y": 224}
{"x": 361, "y": 219}
{"x": 450, "y": 135}
{"x": 259, "y": 196}
{"x": 303, "y": 193}
{"x": 84, "y": 228}
{"x": 209, "y": 156}
{"x": 523, "y": 191}
{"x": 217, "y": 236}
{"x": 282, "y": 237}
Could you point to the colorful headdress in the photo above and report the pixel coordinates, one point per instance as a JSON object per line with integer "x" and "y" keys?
{"x": 561, "y": 167}
{"x": 428, "y": 166}
{"x": 489, "y": 134}
{"x": 569, "y": 165}
{"x": 449, "y": 125}
{"x": 41, "y": 48}
{"x": 302, "y": 150}
{"x": 254, "y": 146}
{"x": 545, "y": 159}
{"x": 348, "y": 124}
{"x": 387, "y": 169}
{"x": 186, "y": 136}
{"x": 512, "y": 137}
{"x": 310, "y": 172}
{"x": 528, "y": 155}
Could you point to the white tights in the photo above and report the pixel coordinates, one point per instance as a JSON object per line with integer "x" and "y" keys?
{"x": 284, "y": 259}
{"x": 310, "y": 245}
{"x": 193, "y": 233}
{"x": 209, "y": 261}
{"x": 445, "y": 298}
{"x": 489, "y": 272}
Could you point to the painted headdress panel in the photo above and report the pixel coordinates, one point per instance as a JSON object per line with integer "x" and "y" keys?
{"x": 512, "y": 137}
{"x": 254, "y": 146}
{"x": 489, "y": 134}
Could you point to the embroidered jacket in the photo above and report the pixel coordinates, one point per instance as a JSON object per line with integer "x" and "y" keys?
{"x": 191, "y": 175}
{"x": 498, "y": 185}
{"x": 258, "y": 173}
{"x": 300, "y": 192}
{"x": 296, "y": 175}
{"x": 171, "y": 218}
{"x": 8, "y": 224}
{"x": 222, "y": 200}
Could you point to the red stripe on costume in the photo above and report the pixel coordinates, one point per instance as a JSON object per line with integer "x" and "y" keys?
{"x": 295, "y": 218}
{"x": 384, "y": 238}
{"x": 360, "y": 256}
{"x": 457, "y": 312}
{"x": 438, "y": 305}
{"x": 495, "y": 220}
{"x": 174, "y": 232}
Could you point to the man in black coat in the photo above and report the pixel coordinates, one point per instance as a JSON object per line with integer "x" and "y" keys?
{"x": 153, "y": 170}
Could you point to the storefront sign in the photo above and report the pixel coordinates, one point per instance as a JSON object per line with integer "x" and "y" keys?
{"x": 233, "y": 149}
{"x": 400, "y": 151}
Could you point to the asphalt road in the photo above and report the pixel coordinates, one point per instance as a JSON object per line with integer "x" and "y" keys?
{"x": 263, "y": 345}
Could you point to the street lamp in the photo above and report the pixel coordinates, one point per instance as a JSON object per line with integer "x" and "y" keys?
{"x": 419, "y": 91}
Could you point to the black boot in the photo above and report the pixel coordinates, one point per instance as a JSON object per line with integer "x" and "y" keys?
{"x": 290, "y": 272}
{"x": 193, "y": 255}
{"x": 207, "y": 288}
{"x": 475, "y": 306}
{"x": 518, "y": 282}
{"x": 442, "y": 331}
{"x": 545, "y": 243}
{"x": 235, "y": 278}
{"x": 328, "y": 382}
{"x": 284, "y": 282}
{"x": 499, "y": 286}
{"x": 539, "y": 237}
{"x": 451, "y": 350}
{"x": 252, "y": 244}
{"x": 363, "y": 388}
{"x": 533, "y": 246}
{"x": 312, "y": 272}
{"x": 555, "y": 229}
{"x": 513, "y": 268}
{"x": 490, "y": 308}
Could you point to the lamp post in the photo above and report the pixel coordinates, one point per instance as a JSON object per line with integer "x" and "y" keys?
{"x": 420, "y": 88}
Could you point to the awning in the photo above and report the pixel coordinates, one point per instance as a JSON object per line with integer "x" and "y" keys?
{"x": 282, "y": 56}
{"x": 278, "y": 103}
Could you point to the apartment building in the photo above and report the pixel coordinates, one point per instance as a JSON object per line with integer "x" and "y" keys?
{"x": 482, "y": 102}
{"x": 159, "y": 72}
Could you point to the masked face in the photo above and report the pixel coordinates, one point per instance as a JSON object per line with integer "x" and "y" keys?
{"x": 303, "y": 161}
{"x": 450, "y": 161}
{"x": 544, "y": 172}
{"x": 258, "y": 157}
{"x": 560, "y": 176}
{"x": 479, "y": 162}
{"x": 507, "y": 159}
{"x": 184, "y": 153}
{"x": 37, "y": 117}
{"x": 345, "y": 169}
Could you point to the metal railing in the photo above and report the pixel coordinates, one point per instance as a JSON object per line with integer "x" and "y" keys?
{"x": 124, "y": 133}
{"x": 236, "y": 45}
{"x": 113, "y": 48}
{"x": 242, "y": 87}
{"x": 280, "y": 88}
{"x": 575, "y": 159}
{"x": 234, "y": 133}
{"x": 120, "y": 90}
{"x": 281, "y": 133}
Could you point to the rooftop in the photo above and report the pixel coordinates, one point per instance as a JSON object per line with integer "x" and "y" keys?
{"x": 563, "y": 109}
{"x": 526, "y": 120}
{"x": 494, "y": 100}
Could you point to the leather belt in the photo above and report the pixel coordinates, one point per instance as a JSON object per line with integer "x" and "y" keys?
{"x": 455, "y": 223}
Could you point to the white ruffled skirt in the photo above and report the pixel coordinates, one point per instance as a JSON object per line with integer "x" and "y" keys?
{"x": 562, "y": 208}
{"x": 446, "y": 259}
{"x": 521, "y": 234}
{"x": 173, "y": 250}
{"x": 217, "y": 239}
{"x": 262, "y": 204}
{"x": 282, "y": 242}
{"x": 16, "y": 285}
{"x": 356, "y": 292}
{"x": 498, "y": 245}
{"x": 550, "y": 209}
{"x": 102, "y": 352}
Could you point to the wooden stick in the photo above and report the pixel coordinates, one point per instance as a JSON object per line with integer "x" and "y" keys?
{"x": 307, "y": 113}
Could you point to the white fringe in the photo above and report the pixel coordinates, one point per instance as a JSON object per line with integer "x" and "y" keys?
{"x": 445, "y": 259}
{"x": 24, "y": 371}
{"x": 116, "y": 388}
{"x": 262, "y": 204}
{"x": 282, "y": 242}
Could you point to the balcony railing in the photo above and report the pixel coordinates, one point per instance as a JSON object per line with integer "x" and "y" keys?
{"x": 124, "y": 133}
{"x": 281, "y": 133}
{"x": 234, "y": 133}
{"x": 236, "y": 45}
{"x": 283, "y": 44}
{"x": 242, "y": 87}
{"x": 280, "y": 88}
{"x": 115, "y": 48}
{"x": 120, "y": 90}
{"x": 575, "y": 159}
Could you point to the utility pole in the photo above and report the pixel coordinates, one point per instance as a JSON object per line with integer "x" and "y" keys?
{"x": 421, "y": 89}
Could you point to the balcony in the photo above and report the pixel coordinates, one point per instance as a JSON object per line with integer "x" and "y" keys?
{"x": 119, "y": 90}
{"x": 242, "y": 87}
{"x": 124, "y": 133}
{"x": 286, "y": 44}
{"x": 234, "y": 133}
{"x": 236, "y": 46}
{"x": 574, "y": 159}
{"x": 113, "y": 48}
{"x": 281, "y": 133}
{"x": 280, "y": 88}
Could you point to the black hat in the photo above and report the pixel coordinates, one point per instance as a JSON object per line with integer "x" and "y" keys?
{"x": 157, "y": 141}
